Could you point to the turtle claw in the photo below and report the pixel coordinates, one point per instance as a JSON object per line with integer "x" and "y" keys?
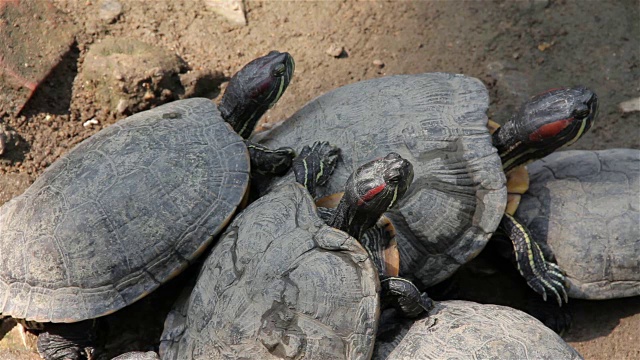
{"x": 328, "y": 156}
{"x": 403, "y": 295}
{"x": 547, "y": 277}
{"x": 542, "y": 276}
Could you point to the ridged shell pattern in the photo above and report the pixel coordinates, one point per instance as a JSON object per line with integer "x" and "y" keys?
{"x": 468, "y": 330}
{"x": 584, "y": 207}
{"x": 280, "y": 284}
{"x": 121, "y": 213}
{"x": 438, "y": 122}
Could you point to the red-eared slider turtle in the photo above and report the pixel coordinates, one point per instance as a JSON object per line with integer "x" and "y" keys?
{"x": 281, "y": 283}
{"x": 583, "y": 207}
{"x": 468, "y": 330}
{"x": 438, "y": 122}
{"x": 130, "y": 207}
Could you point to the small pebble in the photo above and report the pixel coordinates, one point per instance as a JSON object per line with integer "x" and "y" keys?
{"x": 336, "y": 51}
{"x": 110, "y": 10}
{"x": 148, "y": 96}
{"x": 3, "y": 142}
{"x": 379, "y": 63}
{"x": 544, "y": 46}
{"x": 629, "y": 106}
{"x": 122, "y": 106}
{"x": 90, "y": 122}
{"x": 6, "y": 136}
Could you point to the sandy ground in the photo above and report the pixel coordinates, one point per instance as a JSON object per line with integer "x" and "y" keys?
{"x": 518, "y": 48}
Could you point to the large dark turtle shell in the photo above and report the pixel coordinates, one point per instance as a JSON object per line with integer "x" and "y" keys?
{"x": 279, "y": 283}
{"x": 438, "y": 122}
{"x": 584, "y": 207}
{"x": 121, "y": 213}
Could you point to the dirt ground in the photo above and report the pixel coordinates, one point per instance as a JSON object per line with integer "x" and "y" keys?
{"x": 518, "y": 48}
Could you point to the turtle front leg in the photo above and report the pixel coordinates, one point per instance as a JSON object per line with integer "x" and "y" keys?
{"x": 541, "y": 275}
{"x": 315, "y": 164}
{"x": 265, "y": 161}
{"x": 404, "y": 296}
{"x": 67, "y": 341}
{"x": 266, "y": 165}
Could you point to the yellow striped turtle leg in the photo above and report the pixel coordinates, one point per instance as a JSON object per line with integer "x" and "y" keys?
{"x": 541, "y": 275}
{"x": 315, "y": 164}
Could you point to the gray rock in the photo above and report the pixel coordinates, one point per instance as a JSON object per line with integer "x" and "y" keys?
{"x": 127, "y": 76}
{"x": 5, "y": 137}
{"x": 232, "y": 10}
{"x": 110, "y": 10}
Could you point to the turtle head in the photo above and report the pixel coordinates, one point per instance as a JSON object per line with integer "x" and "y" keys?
{"x": 370, "y": 191}
{"x": 254, "y": 89}
{"x": 549, "y": 121}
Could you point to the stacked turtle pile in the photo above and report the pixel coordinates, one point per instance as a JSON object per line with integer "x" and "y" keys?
{"x": 397, "y": 183}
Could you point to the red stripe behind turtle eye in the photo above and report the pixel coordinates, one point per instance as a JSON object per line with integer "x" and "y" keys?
{"x": 371, "y": 193}
{"x": 550, "y": 130}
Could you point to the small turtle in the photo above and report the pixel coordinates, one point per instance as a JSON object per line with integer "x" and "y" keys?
{"x": 130, "y": 207}
{"x": 467, "y": 330}
{"x": 438, "y": 122}
{"x": 281, "y": 283}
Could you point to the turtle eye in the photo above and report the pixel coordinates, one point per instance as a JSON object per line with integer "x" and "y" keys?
{"x": 279, "y": 70}
{"x": 581, "y": 113}
{"x": 395, "y": 178}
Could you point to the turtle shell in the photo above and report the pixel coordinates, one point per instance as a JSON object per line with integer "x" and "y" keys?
{"x": 279, "y": 283}
{"x": 467, "y": 330}
{"x": 121, "y": 213}
{"x": 583, "y": 206}
{"x": 438, "y": 122}
{"x": 138, "y": 355}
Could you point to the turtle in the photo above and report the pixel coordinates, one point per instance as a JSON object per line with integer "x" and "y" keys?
{"x": 130, "y": 207}
{"x": 282, "y": 283}
{"x": 467, "y": 330}
{"x": 582, "y": 210}
{"x": 438, "y": 122}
